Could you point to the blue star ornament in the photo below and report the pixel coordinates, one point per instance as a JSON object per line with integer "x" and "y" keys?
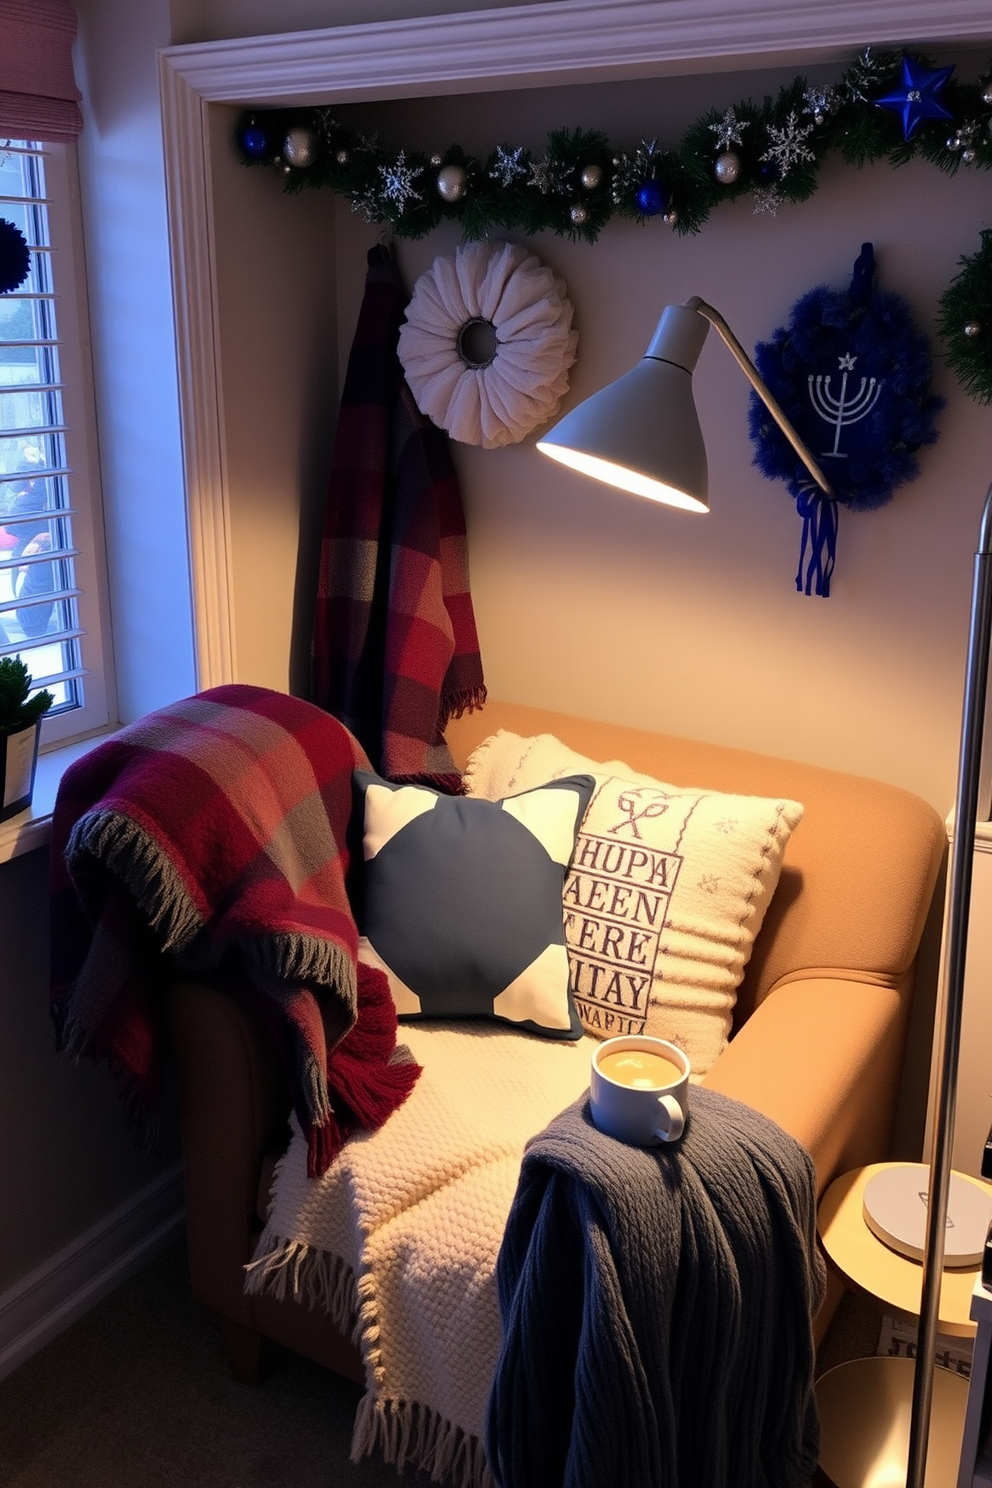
{"x": 918, "y": 97}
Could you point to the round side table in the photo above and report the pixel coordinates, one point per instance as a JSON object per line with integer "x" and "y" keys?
{"x": 865, "y": 1404}
{"x": 869, "y": 1265}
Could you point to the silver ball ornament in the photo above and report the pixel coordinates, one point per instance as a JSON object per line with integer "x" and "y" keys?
{"x": 452, "y": 183}
{"x": 727, "y": 168}
{"x": 578, "y": 214}
{"x": 973, "y": 330}
{"x": 952, "y": 142}
{"x": 342, "y": 157}
{"x": 436, "y": 160}
{"x": 968, "y": 155}
{"x": 591, "y": 177}
{"x": 299, "y": 148}
{"x": 987, "y": 94}
{"x": 670, "y": 217}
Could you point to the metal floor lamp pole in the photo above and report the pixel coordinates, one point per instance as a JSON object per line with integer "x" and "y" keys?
{"x": 959, "y": 904}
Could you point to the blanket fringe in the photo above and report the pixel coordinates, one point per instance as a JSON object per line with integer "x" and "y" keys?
{"x": 126, "y": 850}
{"x": 408, "y": 1432}
{"x": 284, "y": 1268}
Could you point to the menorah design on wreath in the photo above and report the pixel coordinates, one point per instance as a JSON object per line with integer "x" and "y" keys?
{"x": 842, "y": 411}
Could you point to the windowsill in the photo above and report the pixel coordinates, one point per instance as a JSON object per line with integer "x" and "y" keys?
{"x": 32, "y": 828}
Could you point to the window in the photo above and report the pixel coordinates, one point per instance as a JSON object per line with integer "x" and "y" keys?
{"x": 50, "y": 537}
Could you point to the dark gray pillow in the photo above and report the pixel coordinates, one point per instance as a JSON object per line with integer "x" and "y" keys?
{"x": 463, "y": 901}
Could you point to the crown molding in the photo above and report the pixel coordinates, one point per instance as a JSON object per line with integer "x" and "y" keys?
{"x": 561, "y": 41}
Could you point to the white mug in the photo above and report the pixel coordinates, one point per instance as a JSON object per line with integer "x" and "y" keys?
{"x": 639, "y": 1089}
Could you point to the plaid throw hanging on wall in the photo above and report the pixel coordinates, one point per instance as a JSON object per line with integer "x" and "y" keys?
{"x": 395, "y": 651}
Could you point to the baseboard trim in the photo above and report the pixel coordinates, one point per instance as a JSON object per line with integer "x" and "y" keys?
{"x": 44, "y": 1303}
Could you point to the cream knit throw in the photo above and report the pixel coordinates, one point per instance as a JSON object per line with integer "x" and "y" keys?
{"x": 416, "y": 1212}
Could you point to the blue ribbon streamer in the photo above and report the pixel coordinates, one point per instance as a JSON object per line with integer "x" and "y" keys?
{"x": 818, "y": 550}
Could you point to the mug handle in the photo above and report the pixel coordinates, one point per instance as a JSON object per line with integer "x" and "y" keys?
{"x": 672, "y": 1123}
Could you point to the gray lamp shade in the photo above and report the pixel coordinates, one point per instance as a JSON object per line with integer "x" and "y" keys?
{"x": 641, "y": 433}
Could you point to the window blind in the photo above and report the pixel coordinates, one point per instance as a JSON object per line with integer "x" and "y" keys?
{"x": 39, "y": 617}
{"x": 38, "y": 94}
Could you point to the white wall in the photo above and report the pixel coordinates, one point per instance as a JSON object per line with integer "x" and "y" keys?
{"x": 123, "y": 187}
{"x": 277, "y": 321}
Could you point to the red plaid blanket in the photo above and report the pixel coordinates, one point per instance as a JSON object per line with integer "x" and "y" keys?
{"x": 395, "y": 649}
{"x": 216, "y": 831}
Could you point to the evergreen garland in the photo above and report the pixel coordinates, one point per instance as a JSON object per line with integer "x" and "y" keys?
{"x": 771, "y": 151}
{"x": 965, "y": 322}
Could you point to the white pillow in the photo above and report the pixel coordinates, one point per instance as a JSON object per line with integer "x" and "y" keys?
{"x": 668, "y": 888}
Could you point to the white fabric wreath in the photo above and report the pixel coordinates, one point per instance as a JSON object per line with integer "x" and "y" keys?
{"x": 499, "y": 295}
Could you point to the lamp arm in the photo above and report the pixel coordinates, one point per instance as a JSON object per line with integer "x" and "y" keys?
{"x": 754, "y": 378}
{"x": 959, "y": 905}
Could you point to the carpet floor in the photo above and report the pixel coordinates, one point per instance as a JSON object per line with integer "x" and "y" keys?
{"x": 137, "y": 1394}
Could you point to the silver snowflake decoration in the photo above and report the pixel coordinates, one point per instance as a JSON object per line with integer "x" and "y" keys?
{"x": 625, "y": 179}
{"x": 368, "y": 203}
{"x": 541, "y": 175}
{"x": 327, "y": 125}
{"x": 767, "y": 199}
{"x": 397, "y": 182}
{"x": 861, "y": 76}
{"x": 788, "y": 147}
{"x": 819, "y": 102}
{"x": 508, "y": 166}
{"x": 729, "y": 130}
{"x": 548, "y": 175}
{"x": 631, "y": 171}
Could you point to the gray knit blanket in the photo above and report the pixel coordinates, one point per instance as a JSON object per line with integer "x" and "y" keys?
{"x": 657, "y": 1309}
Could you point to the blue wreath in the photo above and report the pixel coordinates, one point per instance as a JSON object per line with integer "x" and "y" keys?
{"x": 852, "y": 374}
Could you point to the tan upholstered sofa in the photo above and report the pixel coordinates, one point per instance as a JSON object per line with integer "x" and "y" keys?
{"x": 819, "y": 1031}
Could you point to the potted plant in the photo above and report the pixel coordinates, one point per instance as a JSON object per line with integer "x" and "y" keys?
{"x": 20, "y": 728}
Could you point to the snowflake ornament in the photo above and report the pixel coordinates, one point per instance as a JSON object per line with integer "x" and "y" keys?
{"x": 368, "y": 204}
{"x": 767, "y": 199}
{"x": 397, "y": 183}
{"x": 729, "y": 130}
{"x": 327, "y": 125}
{"x": 508, "y": 166}
{"x": 545, "y": 175}
{"x": 819, "y": 102}
{"x": 861, "y": 76}
{"x": 788, "y": 144}
{"x": 626, "y": 179}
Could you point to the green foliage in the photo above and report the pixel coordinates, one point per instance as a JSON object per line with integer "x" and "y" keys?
{"x": 17, "y": 709}
{"x": 781, "y": 145}
{"x": 546, "y": 192}
{"x": 967, "y": 301}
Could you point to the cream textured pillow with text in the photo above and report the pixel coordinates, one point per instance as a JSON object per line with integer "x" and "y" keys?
{"x": 668, "y": 888}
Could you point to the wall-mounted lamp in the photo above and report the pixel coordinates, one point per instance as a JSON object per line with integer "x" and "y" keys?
{"x": 641, "y": 434}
